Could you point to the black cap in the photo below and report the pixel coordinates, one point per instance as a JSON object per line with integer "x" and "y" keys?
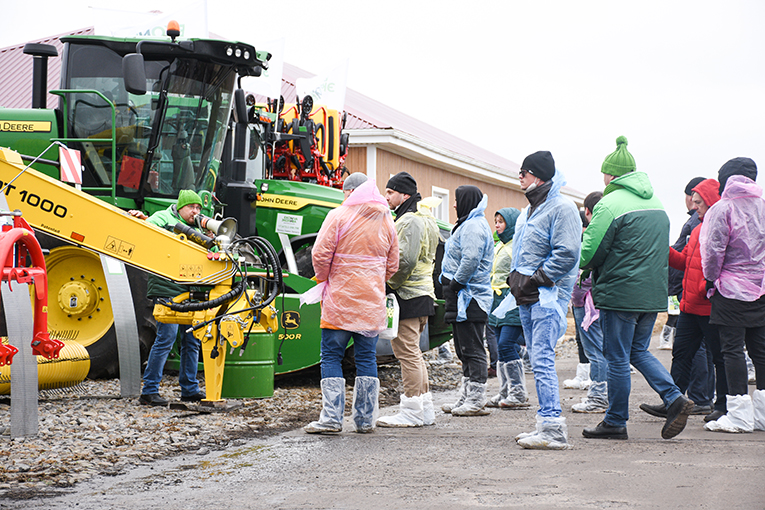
{"x": 403, "y": 183}
{"x": 692, "y": 184}
{"x": 736, "y": 166}
{"x": 540, "y": 164}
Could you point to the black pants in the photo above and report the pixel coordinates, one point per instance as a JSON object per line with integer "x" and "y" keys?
{"x": 732, "y": 341}
{"x": 692, "y": 330}
{"x": 468, "y": 343}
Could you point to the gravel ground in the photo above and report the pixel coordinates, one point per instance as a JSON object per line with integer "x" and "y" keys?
{"x": 86, "y": 431}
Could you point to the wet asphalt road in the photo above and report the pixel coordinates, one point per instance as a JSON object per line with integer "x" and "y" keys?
{"x": 458, "y": 463}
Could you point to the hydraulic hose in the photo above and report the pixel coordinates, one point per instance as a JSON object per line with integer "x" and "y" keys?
{"x": 204, "y": 305}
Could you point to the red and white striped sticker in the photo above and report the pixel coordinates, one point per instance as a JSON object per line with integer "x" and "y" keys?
{"x": 71, "y": 165}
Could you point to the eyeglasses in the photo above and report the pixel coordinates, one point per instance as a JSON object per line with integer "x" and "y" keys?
{"x": 522, "y": 174}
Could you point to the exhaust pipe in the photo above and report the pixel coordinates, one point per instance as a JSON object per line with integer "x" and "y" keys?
{"x": 40, "y": 52}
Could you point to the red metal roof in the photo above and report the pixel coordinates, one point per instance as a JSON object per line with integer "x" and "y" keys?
{"x": 16, "y": 72}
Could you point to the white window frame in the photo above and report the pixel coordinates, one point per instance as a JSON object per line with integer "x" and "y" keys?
{"x": 442, "y": 211}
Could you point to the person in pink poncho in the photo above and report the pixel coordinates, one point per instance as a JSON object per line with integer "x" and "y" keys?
{"x": 732, "y": 243}
{"x": 355, "y": 253}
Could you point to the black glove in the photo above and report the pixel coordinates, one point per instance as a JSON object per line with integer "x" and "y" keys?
{"x": 709, "y": 285}
{"x": 540, "y": 279}
{"x": 456, "y": 286}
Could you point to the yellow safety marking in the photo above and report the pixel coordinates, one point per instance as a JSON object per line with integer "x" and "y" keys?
{"x": 22, "y": 126}
{"x": 291, "y": 203}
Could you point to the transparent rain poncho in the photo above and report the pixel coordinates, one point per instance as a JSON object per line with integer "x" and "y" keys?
{"x": 732, "y": 241}
{"x": 468, "y": 256}
{"x": 355, "y": 252}
{"x": 550, "y": 240}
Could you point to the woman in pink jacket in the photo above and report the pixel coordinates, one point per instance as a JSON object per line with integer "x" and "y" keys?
{"x": 355, "y": 253}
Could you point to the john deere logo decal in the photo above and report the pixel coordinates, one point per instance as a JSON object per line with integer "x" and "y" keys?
{"x": 290, "y": 320}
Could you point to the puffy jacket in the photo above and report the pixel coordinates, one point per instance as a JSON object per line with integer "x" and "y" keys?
{"x": 733, "y": 241}
{"x": 694, "y": 298}
{"x": 626, "y": 246}
{"x": 356, "y": 251}
{"x": 688, "y": 261}
{"x": 467, "y": 260}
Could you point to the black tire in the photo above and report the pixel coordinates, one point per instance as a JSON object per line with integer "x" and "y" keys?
{"x": 104, "y": 358}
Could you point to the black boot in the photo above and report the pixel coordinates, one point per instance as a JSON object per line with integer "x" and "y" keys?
{"x": 677, "y": 417}
{"x": 660, "y": 411}
{"x": 605, "y": 431}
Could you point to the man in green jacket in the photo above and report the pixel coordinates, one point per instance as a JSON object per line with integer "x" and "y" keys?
{"x": 412, "y": 285}
{"x": 626, "y": 247}
{"x": 185, "y": 210}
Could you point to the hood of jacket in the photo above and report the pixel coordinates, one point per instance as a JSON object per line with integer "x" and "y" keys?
{"x": 739, "y": 186}
{"x": 636, "y": 183}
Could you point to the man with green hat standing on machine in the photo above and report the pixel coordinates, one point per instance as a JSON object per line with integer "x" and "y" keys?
{"x": 626, "y": 246}
{"x": 185, "y": 210}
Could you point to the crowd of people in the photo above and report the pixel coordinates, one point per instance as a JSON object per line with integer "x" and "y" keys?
{"x": 609, "y": 262}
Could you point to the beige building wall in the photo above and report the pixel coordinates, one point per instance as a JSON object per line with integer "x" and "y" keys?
{"x": 428, "y": 177}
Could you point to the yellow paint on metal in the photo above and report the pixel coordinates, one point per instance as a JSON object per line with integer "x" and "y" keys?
{"x": 24, "y": 126}
{"x": 215, "y": 358}
{"x": 64, "y": 212}
{"x": 290, "y": 203}
{"x": 81, "y": 309}
{"x": 69, "y": 369}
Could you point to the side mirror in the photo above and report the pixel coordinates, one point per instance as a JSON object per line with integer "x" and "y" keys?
{"x": 240, "y": 107}
{"x": 134, "y": 74}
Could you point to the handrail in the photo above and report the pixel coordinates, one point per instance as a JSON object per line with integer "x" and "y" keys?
{"x": 62, "y": 93}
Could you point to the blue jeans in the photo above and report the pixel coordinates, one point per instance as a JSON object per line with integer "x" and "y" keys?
{"x": 541, "y": 328}
{"x": 333, "y": 345}
{"x": 592, "y": 342}
{"x": 187, "y": 377}
{"x": 626, "y": 337}
{"x": 508, "y": 342}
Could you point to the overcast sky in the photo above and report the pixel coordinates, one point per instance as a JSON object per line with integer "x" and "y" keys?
{"x": 683, "y": 81}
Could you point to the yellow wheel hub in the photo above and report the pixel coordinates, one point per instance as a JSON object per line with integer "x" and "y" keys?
{"x": 79, "y": 308}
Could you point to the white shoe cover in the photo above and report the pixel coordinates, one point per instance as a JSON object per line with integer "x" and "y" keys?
{"x": 758, "y": 402}
{"x": 332, "y": 407}
{"x": 740, "y": 417}
{"x": 517, "y": 397}
{"x": 366, "y": 391}
{"x": 582, "y": 379}
{"x": 552, "y": 434}
{"x": 428, "y": 412}
{"x": 409, "y": 415}
{"x": 447, "y": 408}
{"x": 596, "y": 400}
{"x": 475, "y": 401}
{"x": 503, "y": 384}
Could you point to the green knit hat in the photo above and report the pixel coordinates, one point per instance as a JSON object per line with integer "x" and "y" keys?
{"x": 620, "y": 161}
{"x": 186, "y": 197}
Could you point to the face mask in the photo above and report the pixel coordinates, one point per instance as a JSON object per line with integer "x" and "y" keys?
{"x": 531, "y": 187}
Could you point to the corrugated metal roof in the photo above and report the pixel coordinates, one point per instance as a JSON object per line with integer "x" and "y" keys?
{"x": 16, "y": 72}
{"x": 367, "y": 113}
{"x": 362, "y": 112}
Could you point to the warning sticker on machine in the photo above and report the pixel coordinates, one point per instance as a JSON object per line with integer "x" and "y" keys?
{"x": 118, "y": 247}
{"x": 289, "y": 224}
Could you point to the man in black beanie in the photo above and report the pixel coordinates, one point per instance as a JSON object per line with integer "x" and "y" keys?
{"x": 414, "y": 290}
{"x": 545, "y": 255}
